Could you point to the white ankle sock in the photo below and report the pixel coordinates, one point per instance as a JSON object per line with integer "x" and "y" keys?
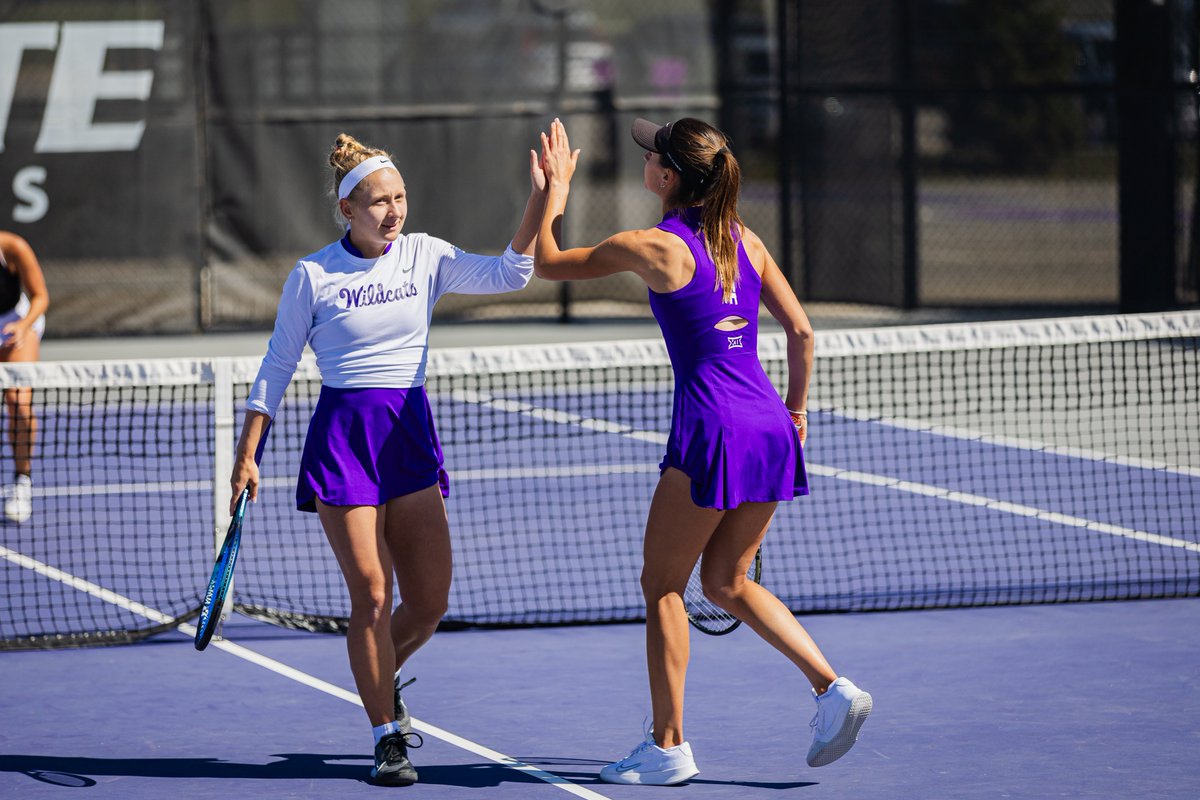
{"x": 383, "y": 730}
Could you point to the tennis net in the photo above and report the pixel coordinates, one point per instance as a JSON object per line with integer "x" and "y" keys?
{"x": 951, "y": 465}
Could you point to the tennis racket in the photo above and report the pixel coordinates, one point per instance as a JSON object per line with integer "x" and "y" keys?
{"x": 702, "y": 613}
{"x": 222, "y": 575}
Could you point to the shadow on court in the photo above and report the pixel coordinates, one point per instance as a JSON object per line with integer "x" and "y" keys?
{"x": 556, "y": 765}
{"x": 81, "y": 772}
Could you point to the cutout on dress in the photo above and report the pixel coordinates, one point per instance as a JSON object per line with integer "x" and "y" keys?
{"x": 731, "y": 323}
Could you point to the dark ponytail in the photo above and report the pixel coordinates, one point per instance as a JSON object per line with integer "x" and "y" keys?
{"x": 711, "y": 176}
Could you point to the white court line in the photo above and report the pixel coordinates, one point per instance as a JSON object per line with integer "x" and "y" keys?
{"x": 884, "y": 481}
{"x": 246, "y": 654}
{"x": 422, "y": 727}
{"x": 592, "y": 471}
{"x": 85, "y": 586}
{"x": 153, "y": 487}
{"x": 162, "y": 487}
{"x": 1033, "y": 445}
{"x": 1000, "y": 505}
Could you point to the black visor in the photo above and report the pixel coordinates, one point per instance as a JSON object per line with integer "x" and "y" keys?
{"x": 657, "y": 139}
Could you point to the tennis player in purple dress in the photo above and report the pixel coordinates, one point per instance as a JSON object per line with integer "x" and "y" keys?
{"x": 735, "y": 448}
{"x": 372, "y": 465}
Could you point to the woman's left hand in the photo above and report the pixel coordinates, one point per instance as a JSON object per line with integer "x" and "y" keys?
{"x": 537, "y": 175}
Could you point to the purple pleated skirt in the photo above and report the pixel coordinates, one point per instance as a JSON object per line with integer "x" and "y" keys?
{"x": 366, "y": 446}
{"x": 731, "y": 434}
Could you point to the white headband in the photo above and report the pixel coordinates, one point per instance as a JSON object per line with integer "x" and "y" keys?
{"x": 354, "y": 177}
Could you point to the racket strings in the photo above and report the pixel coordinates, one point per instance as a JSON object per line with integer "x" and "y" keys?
{"x": 703, "y": 613}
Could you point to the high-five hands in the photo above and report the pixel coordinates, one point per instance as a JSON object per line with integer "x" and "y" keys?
{"x": 558, "y": 160}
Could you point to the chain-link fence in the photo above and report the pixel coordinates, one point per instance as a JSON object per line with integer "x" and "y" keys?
{"x": 1018, "y": 154}
{"x": 168, "y": 160}
{"x": 967, "y": 153}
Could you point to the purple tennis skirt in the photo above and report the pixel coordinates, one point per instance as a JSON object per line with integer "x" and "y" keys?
{"x": 366, "y": 446}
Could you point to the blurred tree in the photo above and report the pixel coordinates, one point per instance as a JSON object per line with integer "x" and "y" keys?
{"x": 1013, "y": 52}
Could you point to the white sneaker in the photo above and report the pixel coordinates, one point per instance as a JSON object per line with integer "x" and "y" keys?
{"x": 651, "y": 765}
{"x": 841, "y": 711}
{"x": 18, "y": 503}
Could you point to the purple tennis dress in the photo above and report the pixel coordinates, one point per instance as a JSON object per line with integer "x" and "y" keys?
{"x": 730, "y": 432}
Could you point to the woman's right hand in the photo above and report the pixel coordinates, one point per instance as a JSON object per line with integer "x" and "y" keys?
{"x": 558, "y": 160}
{"x": 245, "y": 474}
{"x": 245, "y": 465}
{"x": 800, "y": 421}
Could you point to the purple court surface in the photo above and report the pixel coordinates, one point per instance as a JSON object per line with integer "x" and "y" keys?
{"x": 1096, "y": 700}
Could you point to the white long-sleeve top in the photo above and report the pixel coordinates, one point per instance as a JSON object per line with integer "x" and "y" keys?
{"x": 367, "y": 319}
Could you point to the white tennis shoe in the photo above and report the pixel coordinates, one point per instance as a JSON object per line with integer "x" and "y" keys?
{"x": 651, "y": 765}
{"x": 841, "y": 711}
{"x": 18, "y": 502}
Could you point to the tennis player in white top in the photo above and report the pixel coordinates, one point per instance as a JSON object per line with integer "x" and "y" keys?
{"x": 372, "y": 465}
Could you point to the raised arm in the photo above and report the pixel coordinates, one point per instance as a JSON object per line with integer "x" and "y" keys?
{"x": 523, "y": 239}
{"x": 629, "y": 251}
{"x": 781, "y": 301}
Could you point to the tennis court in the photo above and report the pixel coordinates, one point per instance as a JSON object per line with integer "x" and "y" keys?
{"x": 955, "y": 468}
{"x": 1095, "y": 700}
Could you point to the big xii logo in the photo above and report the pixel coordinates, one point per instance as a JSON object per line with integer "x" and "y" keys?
{"x": 78, "y": 81}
